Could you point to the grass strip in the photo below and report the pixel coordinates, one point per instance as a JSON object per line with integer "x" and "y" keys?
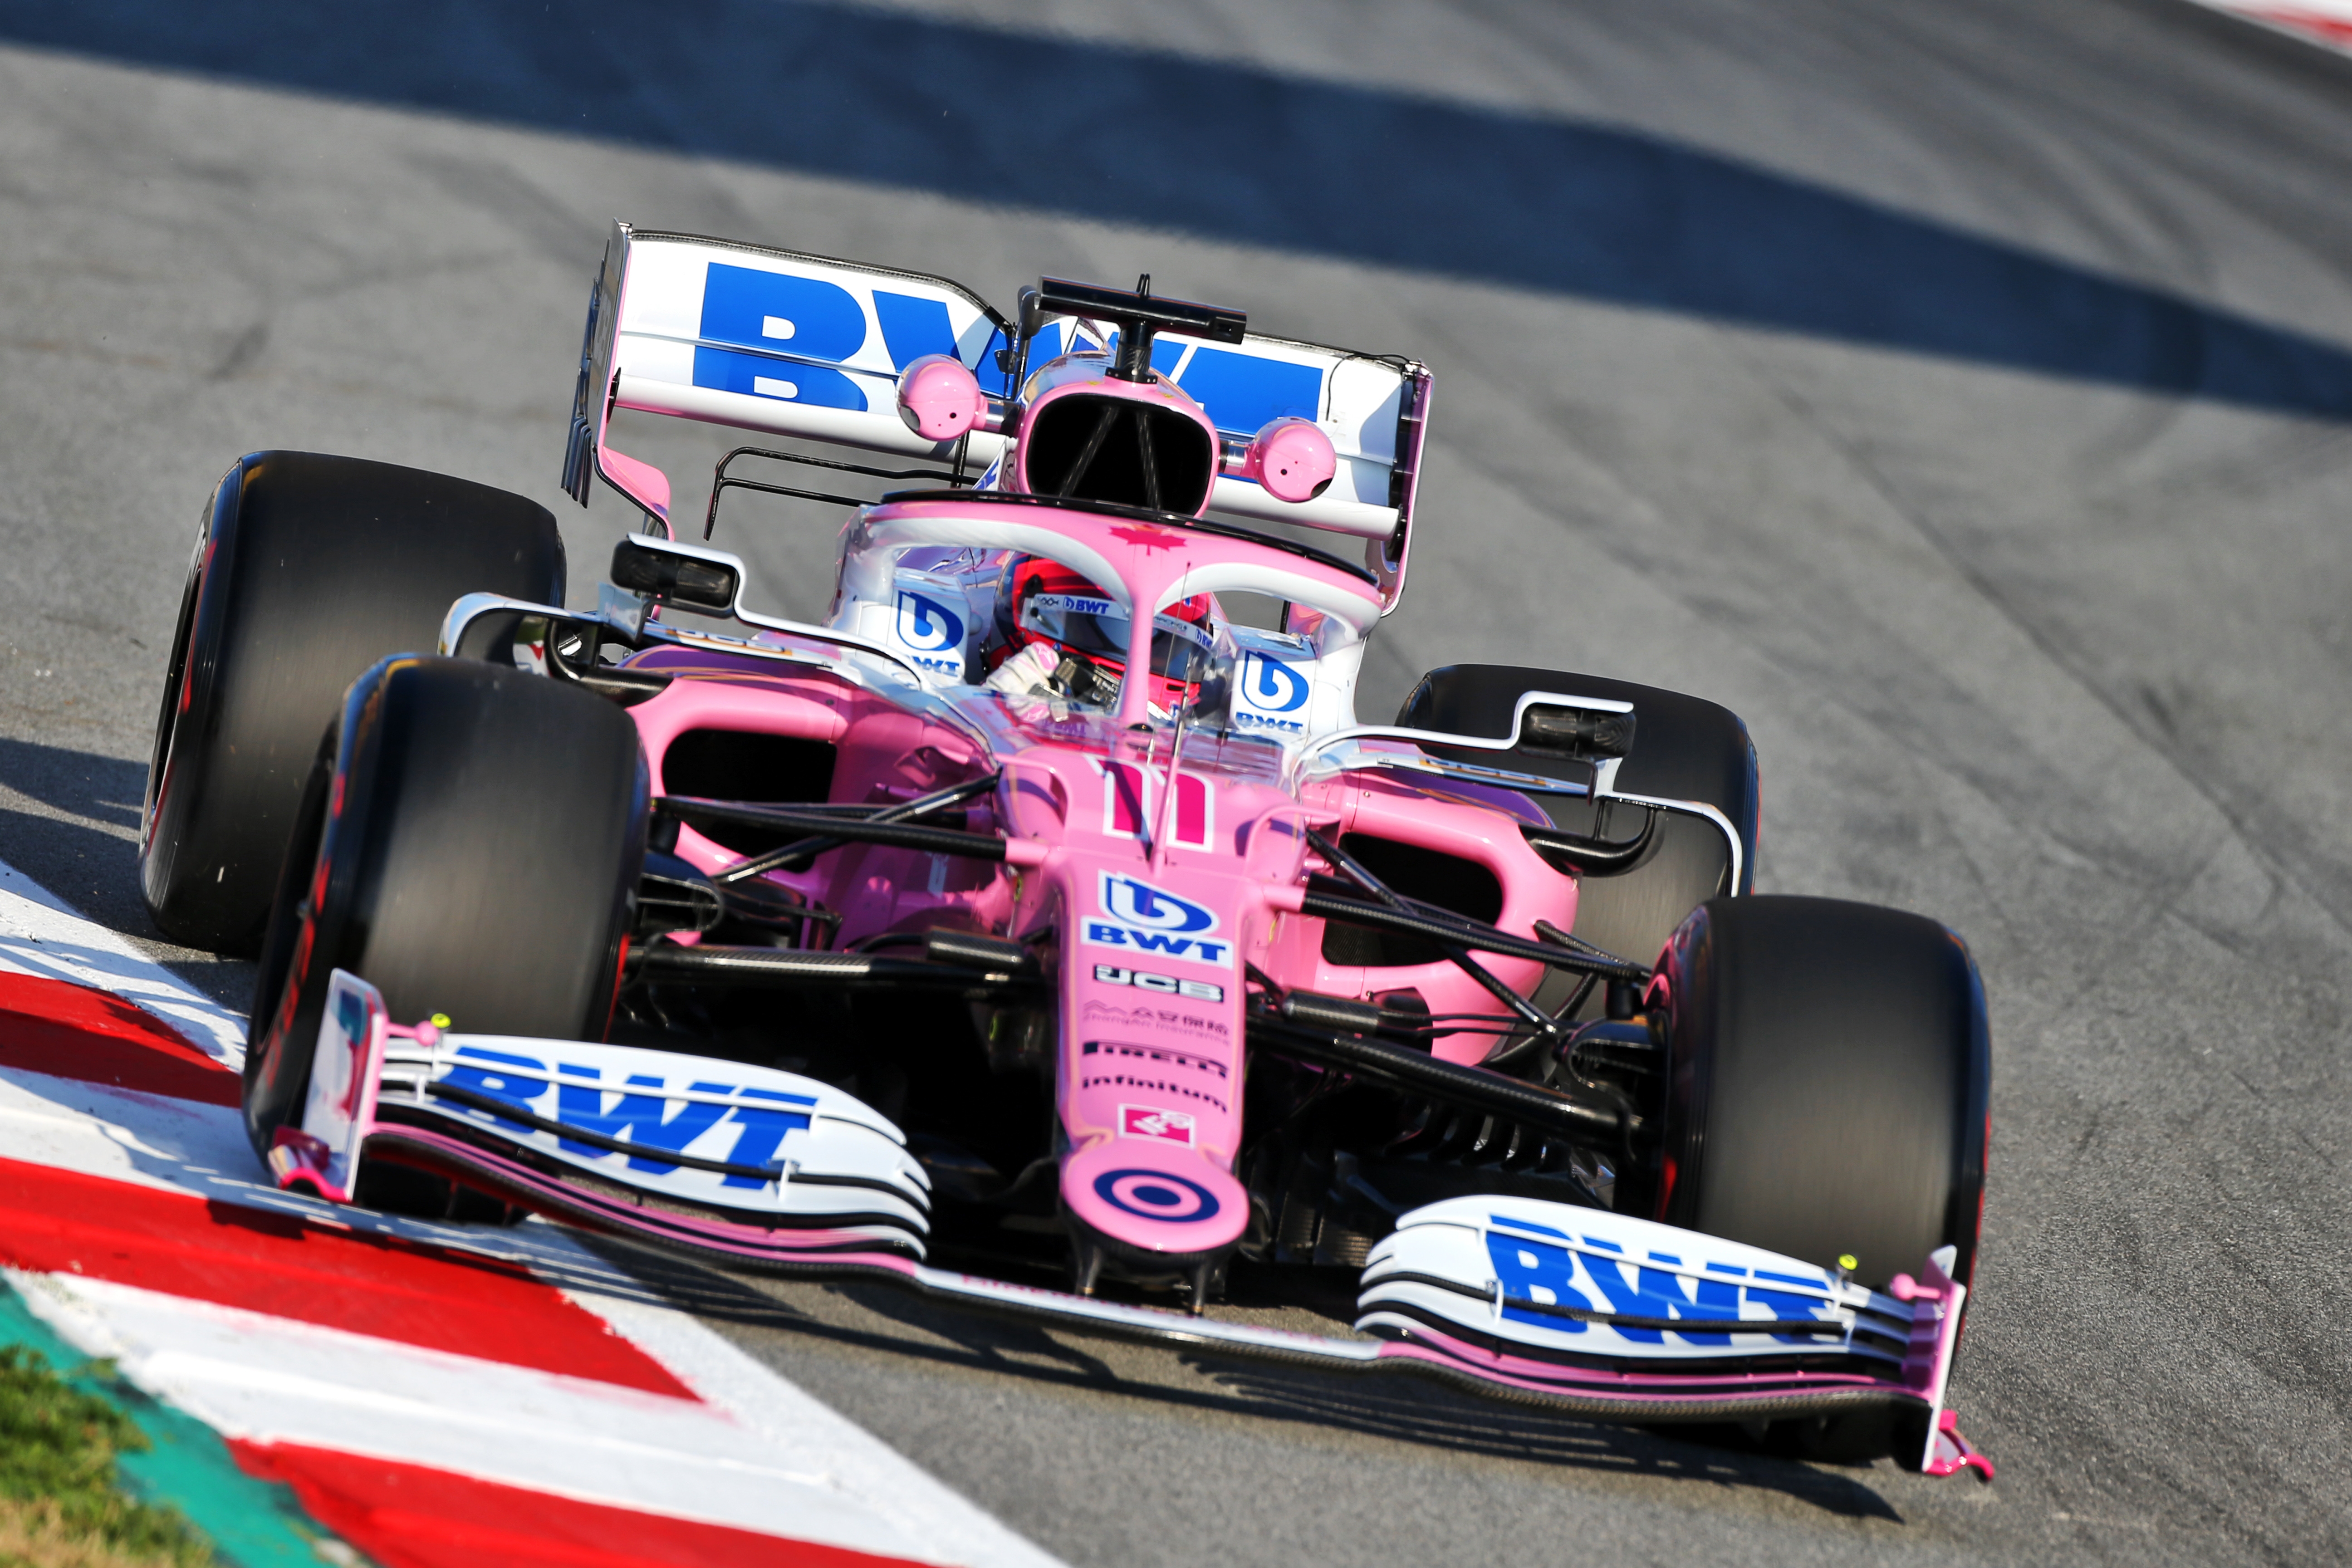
{"x": 94, "y": 1473}
{"x": 60, "y": 1506}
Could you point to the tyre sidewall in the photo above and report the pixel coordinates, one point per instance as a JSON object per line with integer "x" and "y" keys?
{"x": 177, "y": 780}
{"x": 308, "y": 569}
{"x": 399, "y": 749}
{"x": 1829, "y": 1075}
{"x": 311, "y": 928}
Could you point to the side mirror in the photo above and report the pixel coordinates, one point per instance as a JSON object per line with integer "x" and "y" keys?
{"x": 1292, "y": 457}
{"x": 940, "y": 399}
{"x": 1580, "y": 734}
{"x": 706, "y": 580}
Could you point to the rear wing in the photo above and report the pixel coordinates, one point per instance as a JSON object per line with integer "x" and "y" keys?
{"x": 809, "y": 347}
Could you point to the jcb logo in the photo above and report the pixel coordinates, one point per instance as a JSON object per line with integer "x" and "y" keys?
{"x": 1165, "y": 984}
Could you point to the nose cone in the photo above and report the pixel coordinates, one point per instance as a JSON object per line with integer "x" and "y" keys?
{"x": 1154, "y": 1197}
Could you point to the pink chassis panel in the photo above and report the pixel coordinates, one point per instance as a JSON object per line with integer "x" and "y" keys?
{"x": 1147, "y": 1080}
{"x": 883, "y": 756}
{"x": 1415, "y": 809}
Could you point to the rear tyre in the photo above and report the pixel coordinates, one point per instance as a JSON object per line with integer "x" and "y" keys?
{"x": 468, "y": 843}
{"x": 308, "y": 569}
{"x": 1685, "y": 748}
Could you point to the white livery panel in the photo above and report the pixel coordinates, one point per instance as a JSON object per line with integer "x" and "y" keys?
{"x": 1557, "y": 1278}
{"x": 726, "y": 1135}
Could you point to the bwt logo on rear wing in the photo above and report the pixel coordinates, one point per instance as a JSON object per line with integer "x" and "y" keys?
{"x": 766, "y": 340}
{"x": 811, "y": 347}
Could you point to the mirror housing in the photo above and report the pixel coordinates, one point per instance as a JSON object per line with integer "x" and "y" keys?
{"x": 1291, "y": 457}
{"x": 940, "y": 399}
{"x": 680, "y": 574}
{"x": 1580, "y": 734}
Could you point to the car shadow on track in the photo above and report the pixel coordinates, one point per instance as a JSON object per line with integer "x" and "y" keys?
{"x": 880, "y": 1319}
{"x": 1237, "y": 154}
{"x": 73, "y": 828}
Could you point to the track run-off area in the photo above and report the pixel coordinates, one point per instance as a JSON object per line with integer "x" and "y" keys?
{"x": 1960, "y": 392}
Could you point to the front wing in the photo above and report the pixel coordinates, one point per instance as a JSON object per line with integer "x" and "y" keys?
{"x": 1592, "y": 1313}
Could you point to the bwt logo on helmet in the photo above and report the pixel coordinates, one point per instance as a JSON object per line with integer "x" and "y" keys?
{"x": 1269, "y": 689}
{"x": 931, "y": 627}
{"x": 1140, "y": 918}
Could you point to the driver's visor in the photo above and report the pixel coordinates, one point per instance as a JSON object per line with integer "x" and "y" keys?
{"x": 1097, "y": 627}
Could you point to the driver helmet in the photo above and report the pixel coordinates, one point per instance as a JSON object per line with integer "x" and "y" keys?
{"x": 1043, "y": 602}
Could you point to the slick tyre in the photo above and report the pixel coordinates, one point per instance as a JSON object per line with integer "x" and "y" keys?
{"x": 1828, "y": 1078}
{"x": 468, "y": 843}
{"x": 307, "y": 570}
{"x": 1685, "y": 748}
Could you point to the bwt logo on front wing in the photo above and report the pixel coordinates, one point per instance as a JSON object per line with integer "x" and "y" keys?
{"x": 639, "y": 1113}
{"x": 1140, "y": 918}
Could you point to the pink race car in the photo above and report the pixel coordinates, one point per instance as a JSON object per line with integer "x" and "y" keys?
{"x": 1043, "y": 931}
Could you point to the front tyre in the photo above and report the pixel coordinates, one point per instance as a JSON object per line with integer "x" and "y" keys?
{"x": 1828, "y": 1079}
{"x": 1829, "y": 1074}
{"x": 469, "y": 844}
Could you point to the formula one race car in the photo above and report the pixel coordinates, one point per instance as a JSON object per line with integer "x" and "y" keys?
{"x": 1043, "y": 931}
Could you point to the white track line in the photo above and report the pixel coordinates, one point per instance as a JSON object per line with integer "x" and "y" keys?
{"x": 39, "y": 935}
{"x": 756, "y": 1452}
{"x": 799, "y": 1475}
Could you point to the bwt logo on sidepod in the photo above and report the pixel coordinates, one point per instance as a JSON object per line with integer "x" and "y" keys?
{"x": 1140, "y": 918}
{"x": 931, "y": 627}
{"x": 1270, "y": 688}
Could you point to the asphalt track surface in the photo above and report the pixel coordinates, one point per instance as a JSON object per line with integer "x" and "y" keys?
{"x": 1960, "y": 391}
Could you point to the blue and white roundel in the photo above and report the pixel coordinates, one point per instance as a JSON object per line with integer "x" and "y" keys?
{"x": 1140, "y": 904}
{"x": 1156, "y": 1194}
{"x": 928, "y": 625}
{"x": 1270, "y": 686}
